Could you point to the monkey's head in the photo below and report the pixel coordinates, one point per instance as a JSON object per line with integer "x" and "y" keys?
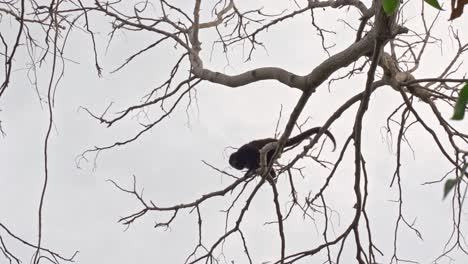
{"x": 236, "y": 161}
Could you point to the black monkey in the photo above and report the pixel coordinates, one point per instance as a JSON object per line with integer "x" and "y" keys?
{"x": 248, "y": 156}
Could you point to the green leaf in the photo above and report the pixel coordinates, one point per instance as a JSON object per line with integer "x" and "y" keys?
{"x": 449, "y": 185}
{"x": 460, "y": 105}
{"x": 433, "y": 3}
{"x": 389, "y": 6}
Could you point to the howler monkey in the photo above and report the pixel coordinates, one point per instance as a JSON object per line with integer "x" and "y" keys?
{"x": 248, "y": 156}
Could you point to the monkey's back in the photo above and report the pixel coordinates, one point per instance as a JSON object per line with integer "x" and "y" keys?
{"x": 260, "y": 143}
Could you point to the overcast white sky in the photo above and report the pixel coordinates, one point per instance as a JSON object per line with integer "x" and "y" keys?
{"x": 82, "y": 209}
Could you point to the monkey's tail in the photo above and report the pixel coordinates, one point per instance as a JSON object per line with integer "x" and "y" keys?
{"x": 307, "y": 134}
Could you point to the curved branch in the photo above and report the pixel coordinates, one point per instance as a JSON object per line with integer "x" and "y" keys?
{"x": 305, "y": 83}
